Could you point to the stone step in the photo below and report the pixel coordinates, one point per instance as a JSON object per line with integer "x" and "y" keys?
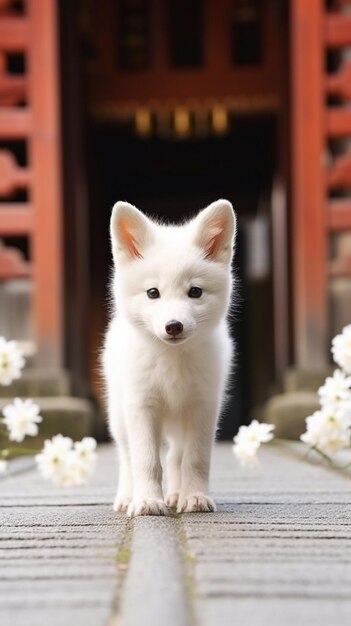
{"x": 305, "y": 380}
{"x": 38, "y": 382}
{"x": 72, "y": 417}
{"x": 288, "y": 412}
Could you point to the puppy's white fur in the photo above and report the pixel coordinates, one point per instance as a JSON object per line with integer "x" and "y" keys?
{"x": 157, "y": 386}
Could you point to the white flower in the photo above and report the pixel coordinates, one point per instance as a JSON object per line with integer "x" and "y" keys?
{"x": 11, "y": 361}
{"x": 327, "y": 430}
{"x": 86, "y": 448}
{"x": 83, "y": 461}
{"x": 246, "y": 455}
{"x": 344, "y": 409}
{"x": 249, "y": 439}
{"x": 341, "y": 349}
{"x": 256, "y": 433}
{"x": 67, "y": 463}
{"x": 21, "y": 418}
{"x": 85, "y": 453}
{"x": 53, "y": 457}
{"x": 336, "y": 390}
{"x": 3, "y": 466}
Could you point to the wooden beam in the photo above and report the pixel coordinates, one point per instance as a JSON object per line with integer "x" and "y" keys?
{"x": 14, "y": 34}
{"x": 338, "y": 122}
{"x": 12, "y": 89}
{"x": 14, "y": 123}
{"x": 339, "y": 82}
{"x": 339, "y": 215}
{"x": 16, "y": 219}
{"x": 12, "y": 263}
{"x": 309, "y": 240}
{"x": 338, "y": 30}
{"x": 339, "y": 174}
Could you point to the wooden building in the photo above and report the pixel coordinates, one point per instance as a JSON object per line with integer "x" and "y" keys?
{"x": 171, "y": 104}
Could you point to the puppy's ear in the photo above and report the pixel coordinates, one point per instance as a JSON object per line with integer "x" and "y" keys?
{"x": 130, "y": 231}
{"x": 215, "y": 229}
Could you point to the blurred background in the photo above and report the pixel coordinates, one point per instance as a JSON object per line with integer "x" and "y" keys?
{"x": 171, "y": 104}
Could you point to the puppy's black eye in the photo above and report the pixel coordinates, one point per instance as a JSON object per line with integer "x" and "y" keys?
{"x": 195, "y": 292}
{"x": 153, "y": 293}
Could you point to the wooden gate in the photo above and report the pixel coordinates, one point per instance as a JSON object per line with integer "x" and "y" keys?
{"x": 321, "y": 166}
{"x": 30, "y": 202}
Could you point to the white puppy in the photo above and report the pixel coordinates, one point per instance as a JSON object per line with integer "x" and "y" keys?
{"x": 167, "y": 353}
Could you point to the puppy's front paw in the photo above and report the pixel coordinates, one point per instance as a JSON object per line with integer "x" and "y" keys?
{"x": 171, "y": 499}
{"x": 147, "y": 507}
{"x": 121, "y": 504}
{"x": 196, "y": 502}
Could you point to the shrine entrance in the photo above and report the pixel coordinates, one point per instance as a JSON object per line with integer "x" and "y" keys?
{"x": 173, "y": 179}
{"x": 185, "y": 116}
{"x": 203, "y": 99}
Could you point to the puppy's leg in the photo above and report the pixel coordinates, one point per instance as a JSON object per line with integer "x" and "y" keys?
{"x": 125, "y": 481}
{"x": 144, "y": 436}
{"x": 199, "y": 435}
{"x": 173, "y": 471}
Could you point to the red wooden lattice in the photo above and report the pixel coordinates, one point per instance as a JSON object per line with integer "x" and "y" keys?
{"x": 29, "y": 117}
{"x": 316, "y": 172}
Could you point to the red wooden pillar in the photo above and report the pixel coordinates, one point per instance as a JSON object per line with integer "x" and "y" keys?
{"x": 309, "y": 235}
{"x": 44, "y": 153}
{"x": 29, "y": 114}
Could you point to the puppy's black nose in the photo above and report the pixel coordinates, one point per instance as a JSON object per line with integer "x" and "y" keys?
{"x": 174, "y": 328}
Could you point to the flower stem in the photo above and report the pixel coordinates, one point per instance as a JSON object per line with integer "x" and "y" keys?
{"x": 287, "y": 442}
{"x": 19, "y": 452}
{"x": 329, "y": 460}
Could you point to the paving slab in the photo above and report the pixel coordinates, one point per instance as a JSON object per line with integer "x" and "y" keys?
{"x": 279, "y": 548}
{"x": 155, "y": 587}
{"x": 277, "y": 551}
{"x": 59, "y": 550}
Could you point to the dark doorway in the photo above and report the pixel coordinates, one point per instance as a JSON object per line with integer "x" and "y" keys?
{"x": 173, "y": 179}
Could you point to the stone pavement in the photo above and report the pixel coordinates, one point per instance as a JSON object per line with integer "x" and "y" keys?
{"x": 278, "y": 551}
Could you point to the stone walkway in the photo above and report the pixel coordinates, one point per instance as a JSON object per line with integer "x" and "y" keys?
{"x": 278, "y": 551}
